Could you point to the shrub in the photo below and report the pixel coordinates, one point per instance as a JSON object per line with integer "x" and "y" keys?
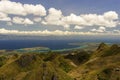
{"x": 2, "y": 60}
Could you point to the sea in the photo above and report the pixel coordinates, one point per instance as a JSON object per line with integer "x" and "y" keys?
{"x": 51, "y": 44}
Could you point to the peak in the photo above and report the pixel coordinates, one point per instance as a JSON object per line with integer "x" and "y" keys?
{"x": 102, "y": 46}
{"x": 114, "y": 46}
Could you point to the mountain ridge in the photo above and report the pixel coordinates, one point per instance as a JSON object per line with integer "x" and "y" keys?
{"x": 102, "y": 64}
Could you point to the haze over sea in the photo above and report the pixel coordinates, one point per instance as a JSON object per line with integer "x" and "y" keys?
{"x": 52, "y": 42}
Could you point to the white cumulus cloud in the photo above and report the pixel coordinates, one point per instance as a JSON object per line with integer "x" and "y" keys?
{"x": 37, "y": 19}
{"x": 106, "y": 20}
{"x": 78, "y": 27}
{"x": 4, "y": 17}
{"x": 17, "y": 8}
{"x": 111, "y": 15}
{"x": 53, "y": 18}
{"x": 19, "y": 20}
{"x": 35, "y": 9}
{"x": 100, "y": 29}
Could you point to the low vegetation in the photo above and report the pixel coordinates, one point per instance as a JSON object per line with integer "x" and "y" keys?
{"x": 102, "y": 64}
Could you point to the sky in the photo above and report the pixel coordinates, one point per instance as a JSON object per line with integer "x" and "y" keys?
{"x": 60, "y": 17}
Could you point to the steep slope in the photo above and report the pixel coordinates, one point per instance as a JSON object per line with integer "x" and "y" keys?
{"x": 104, "y": 64}
{"x": 33, "y": 67}
{"x": 78, "y": 57}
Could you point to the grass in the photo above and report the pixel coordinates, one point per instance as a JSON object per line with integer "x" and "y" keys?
{"x": 102, "y": 64}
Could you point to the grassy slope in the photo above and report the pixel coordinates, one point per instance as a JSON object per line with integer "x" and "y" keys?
{"x": 102, "y": 64}
{"x": 33, "y": 67}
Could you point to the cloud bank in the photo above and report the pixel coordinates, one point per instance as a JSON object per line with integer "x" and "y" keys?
{"x": 51, "y": 33}
{"x": 30, "y": 14}
{"x": 55, "y": 17}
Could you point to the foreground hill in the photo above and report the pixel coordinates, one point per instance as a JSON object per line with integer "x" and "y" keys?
{"x": 102, "y": 64}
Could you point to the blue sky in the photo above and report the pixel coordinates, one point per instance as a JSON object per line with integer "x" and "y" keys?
{"x": 60, "y": 17}
{"x": 78, "y": 6}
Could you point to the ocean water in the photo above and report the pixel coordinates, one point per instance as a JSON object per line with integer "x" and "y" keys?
{"x": 52, "y": 44}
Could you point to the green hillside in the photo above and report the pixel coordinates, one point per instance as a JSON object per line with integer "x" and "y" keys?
{"x": 102, "y": 64}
